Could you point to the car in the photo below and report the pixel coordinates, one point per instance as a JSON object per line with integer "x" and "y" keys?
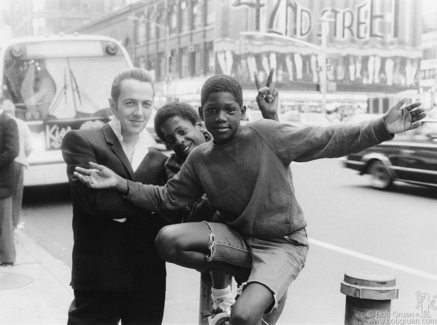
{"x": 314, "y": 119}
{"x": 410, "y": 157}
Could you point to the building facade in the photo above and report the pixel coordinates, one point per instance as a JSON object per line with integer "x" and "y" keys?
{"x": 372, "y": 47}
{"x": 39, "y": 17}
{"x": 174, "y": 39}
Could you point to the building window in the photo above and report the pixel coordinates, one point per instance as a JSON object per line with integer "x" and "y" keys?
{"x": 162, "y": 62}
{"x": 173, "y": 63}
{"x": 151, "y": 27}
{"x": 199, "y": 63}
{"x": 196, "y": 14}
{"x": 184, "y": 16}
{"x": 195, "y": 61}
{"x": 141, "y": 62}
{"x": 184, "y": 63}
{"x": 209, "y": 58}
{"x": 210, "y": 11}
{"x": 151, "y": 64}
{"x": 174, "y": 19}
{"x": 162, "y": 22}
{"x": 141, "y": 31}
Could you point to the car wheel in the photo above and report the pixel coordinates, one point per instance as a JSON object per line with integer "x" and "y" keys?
{"x": 380, "y": 176}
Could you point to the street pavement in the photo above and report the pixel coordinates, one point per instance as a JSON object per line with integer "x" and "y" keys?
{"x": 36, "y": 290}
{"x": 352, "y": 228}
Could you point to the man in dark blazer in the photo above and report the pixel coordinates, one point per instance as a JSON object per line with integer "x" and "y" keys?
{"x": 9, "y": 149}
{"x": 117, "y": 274}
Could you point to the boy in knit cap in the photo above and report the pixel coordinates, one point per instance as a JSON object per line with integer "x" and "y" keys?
{"x": 245, "y": 173}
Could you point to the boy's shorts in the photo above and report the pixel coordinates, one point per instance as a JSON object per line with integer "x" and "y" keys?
{"x": 275, "y": 262}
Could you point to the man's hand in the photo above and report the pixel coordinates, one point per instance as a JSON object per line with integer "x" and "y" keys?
{"x": 100, "y": 177}
{"x": 267, "y": 97}
{"x": 401, "y": 117}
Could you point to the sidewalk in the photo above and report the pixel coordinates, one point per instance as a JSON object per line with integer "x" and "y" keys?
{"x": 36, "y": 289}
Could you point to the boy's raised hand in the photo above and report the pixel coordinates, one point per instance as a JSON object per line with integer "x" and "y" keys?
{"x": 401, "y": 117}
{"x": 98, "y": 177}
{"x": 267, "y": 97}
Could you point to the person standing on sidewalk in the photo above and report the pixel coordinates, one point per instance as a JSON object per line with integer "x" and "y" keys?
{"x": 25, "y": 139}
{"x": 116, "y": 271}
{"x": 9, "y": 149}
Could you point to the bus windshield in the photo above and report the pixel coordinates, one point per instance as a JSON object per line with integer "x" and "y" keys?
{"x": 61, "y": 88}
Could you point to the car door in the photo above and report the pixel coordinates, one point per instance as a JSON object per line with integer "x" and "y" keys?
{"x": 418, "y": 155}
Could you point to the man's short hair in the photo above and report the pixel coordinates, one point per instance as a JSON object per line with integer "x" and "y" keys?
{"x": 221, "y": 83}
{"x": 170, "y": 110}
{"x": 133, "y": 73}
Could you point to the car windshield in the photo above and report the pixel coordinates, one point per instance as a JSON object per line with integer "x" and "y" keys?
{"x": 58, "y": 88}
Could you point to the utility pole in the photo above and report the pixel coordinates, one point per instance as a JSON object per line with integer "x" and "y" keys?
{"x": 323, "y": 76}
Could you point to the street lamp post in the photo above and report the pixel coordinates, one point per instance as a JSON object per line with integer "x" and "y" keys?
{"x": 323, "y": 76}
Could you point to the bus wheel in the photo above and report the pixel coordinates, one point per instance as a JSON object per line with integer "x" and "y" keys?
{"x": 380, "y": 176}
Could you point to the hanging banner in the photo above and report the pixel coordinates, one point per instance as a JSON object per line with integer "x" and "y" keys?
{"x": 371, "y": 45}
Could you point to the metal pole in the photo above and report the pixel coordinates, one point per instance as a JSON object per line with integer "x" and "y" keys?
{"x": 323, "y": 76}
{"x": 167, "y": 63}
{"x": 368, "y": 298}
{"x": 205, "y": 301}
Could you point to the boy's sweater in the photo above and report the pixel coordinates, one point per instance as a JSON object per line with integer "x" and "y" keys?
{"x": 249, "y": 180}
{"x": 201, "y": 209}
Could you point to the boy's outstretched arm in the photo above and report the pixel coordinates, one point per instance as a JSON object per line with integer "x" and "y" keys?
{"x": 100, "y": 177}
{"x": 400, "y": 117}
{"x": 267, "y": 97}
{"x": 182, "y": 190}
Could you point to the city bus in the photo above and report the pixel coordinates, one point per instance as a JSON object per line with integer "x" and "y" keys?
{"x": 57, "y": 84}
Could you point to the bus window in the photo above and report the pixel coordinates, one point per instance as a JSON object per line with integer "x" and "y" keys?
{"x": 38, "y": 90}
{"x": 62, "y": 88}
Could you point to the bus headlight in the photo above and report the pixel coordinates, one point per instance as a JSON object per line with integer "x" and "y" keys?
{"x": 111, "y": 48}
{"x": 16, "y": 52}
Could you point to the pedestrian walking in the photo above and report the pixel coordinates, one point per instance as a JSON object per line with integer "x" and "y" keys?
{"x": 25, "y": 139}
{"x": 117, "y": 274}
{"x": 9, "y": 150}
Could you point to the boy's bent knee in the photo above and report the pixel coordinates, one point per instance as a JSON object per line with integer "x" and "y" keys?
{"x": 244, "y": 315}
{"x": 166, "y": 243}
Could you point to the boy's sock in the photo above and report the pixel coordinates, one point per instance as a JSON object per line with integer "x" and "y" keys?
{"x": 222, "y": 298}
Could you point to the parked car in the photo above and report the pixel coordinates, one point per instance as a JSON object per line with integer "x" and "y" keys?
{"x": 410, "y": 157}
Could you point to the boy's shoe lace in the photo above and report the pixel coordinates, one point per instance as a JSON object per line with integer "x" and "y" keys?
{"x": 222, "y": 299}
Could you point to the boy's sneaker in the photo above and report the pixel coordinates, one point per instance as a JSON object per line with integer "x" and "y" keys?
{"x": 223, "y": 299}
{"x": 219, "y": 319}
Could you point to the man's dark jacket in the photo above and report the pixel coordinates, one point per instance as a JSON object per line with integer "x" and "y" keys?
{"x": 9, "y": 150}
{"x": 109, "y": 255}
